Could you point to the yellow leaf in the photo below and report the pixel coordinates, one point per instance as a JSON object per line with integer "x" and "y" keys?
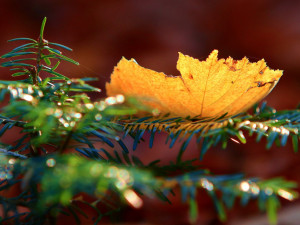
{"x": 205, "y": 88}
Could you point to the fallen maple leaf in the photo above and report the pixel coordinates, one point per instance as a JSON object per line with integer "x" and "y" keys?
{"x": 205, "y": 88}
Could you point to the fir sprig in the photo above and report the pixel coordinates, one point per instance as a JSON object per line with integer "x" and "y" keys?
{"x": 51, "y": 113}
{"x": 63, "y": 177}
{"x": 208, "y": 132}
{"x": 40, "y": 51}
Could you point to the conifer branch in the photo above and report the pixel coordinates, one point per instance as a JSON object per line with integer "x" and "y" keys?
{"x": 82, "y": 175}
{"x": 10, "y": 153}
{"x": 210, "y": 131}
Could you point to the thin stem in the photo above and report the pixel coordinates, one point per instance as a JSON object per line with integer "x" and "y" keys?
{"x": 6, "y": 152}
{"x": 16, "y": 123}
{"x": 33, "y": 149}
{"x": 41, "y": 43}
{"x": 66, "y": 142}
{"x": 35, "y": 76}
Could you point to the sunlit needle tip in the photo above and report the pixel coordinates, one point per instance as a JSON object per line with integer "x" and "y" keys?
{"x": 133, "y": 199}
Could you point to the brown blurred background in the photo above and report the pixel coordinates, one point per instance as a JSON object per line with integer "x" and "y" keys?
{"x": 153, "y": 32}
